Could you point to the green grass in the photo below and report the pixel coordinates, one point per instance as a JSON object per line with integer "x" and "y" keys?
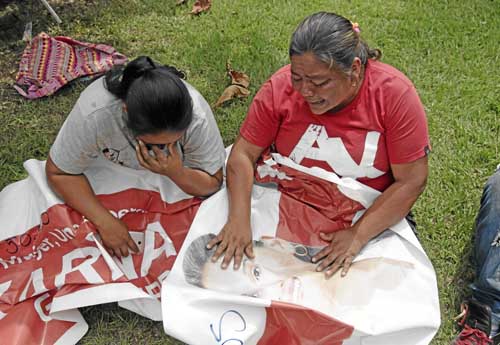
{"x": 450, "y": 49}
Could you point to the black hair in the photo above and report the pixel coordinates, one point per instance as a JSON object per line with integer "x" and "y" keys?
{"x": 333, "y": 39}
{"x": 155, "y": 96}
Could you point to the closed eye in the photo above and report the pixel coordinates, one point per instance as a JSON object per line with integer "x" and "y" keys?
{"x": 321, "y": 83}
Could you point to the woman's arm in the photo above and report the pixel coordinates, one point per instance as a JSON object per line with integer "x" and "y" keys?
{"x": 191, "y": 181}
{"x": 396, "y": 201}
{"x": 235, "y": 238}
{"x": 388, "y": 209}
{"x": 77, "y": 193}
{"x": 197, "y": 182}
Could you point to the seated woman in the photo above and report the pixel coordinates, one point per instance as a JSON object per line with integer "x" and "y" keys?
{"x": 335, "y": 107}
{"x": 143, "y": 116}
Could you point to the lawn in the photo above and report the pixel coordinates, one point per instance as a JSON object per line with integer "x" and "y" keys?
{"x": 449, "y": 49}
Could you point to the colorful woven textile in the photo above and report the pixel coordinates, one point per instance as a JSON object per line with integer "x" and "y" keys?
{"x": 48, "y": 63}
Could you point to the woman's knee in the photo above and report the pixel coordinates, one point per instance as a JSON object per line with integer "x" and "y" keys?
{"x": 493, "y": 184}
{"x": 490, "y": 201}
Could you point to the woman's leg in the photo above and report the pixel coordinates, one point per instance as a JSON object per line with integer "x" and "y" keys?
{"x": 486, "y": 287}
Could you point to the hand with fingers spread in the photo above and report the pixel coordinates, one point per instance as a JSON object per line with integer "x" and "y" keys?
{"x": 161, "y": 163}
{"x": 339, "y": 253}
{"x": 233, "y": 241}
{"x": 116, "y": 238}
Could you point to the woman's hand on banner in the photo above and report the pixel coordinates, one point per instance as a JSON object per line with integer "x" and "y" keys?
{"x": 116, "y": 238}
{"x": 234, "y": 241}
{"x": 339, "y": 253}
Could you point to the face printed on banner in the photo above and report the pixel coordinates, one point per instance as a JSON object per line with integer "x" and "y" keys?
{"x": 248, "y": 280}
{"x": 283, "y": 271}
{"x": 274, "y": 263}
{"x": 274, "y": 267}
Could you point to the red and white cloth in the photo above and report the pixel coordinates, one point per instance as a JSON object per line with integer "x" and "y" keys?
{"x": 394, "y": 301}
{"x": 51, "y": 261}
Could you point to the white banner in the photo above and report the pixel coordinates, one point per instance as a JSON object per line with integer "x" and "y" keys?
{"x": 388, "y": 297}
{"x": 51, "y": 263}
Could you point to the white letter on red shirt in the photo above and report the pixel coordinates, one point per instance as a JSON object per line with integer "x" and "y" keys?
{"x": 334, "y": 152}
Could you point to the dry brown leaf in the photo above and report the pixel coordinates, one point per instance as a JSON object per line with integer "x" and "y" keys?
{"x": 238, "y": 88}
{"x": 231, "y": 92}
{"x": 237, "y": 78}
{"x": 201, "y": 6}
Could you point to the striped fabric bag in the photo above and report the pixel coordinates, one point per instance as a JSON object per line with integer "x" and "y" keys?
{"x": 49, "y": 63}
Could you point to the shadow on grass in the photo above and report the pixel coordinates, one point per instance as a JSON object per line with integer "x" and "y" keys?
{"x": 464, "y": 276}
{"x": 126, "y": 327}
{"x": 15, "y": 14}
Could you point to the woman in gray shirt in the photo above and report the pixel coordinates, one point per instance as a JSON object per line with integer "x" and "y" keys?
{"x": 143, "y": 116}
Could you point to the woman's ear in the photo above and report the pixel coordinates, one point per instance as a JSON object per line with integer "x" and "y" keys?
{"x": 124, "y": 107}
{"x": 356, "y": 69}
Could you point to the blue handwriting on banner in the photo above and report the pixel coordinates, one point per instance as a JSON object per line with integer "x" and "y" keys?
{"x": 231, "y": 341}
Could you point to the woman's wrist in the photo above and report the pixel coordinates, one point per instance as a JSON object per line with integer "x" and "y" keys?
{"x": 101, "y": 219}
{"x": 361, "y": 236}
{"x": 176, "y": 175}
{"x": 239, "y": 221}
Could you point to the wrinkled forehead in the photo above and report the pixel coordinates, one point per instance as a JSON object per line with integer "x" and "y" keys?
{"x": 310, "y": 66}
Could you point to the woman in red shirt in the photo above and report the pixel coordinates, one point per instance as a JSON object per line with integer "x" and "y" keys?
{"x": 335, "y": 107}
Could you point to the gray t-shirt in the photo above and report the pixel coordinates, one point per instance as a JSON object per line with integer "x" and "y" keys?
{"x": 96, "y": 127}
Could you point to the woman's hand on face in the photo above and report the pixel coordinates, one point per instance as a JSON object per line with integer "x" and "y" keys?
{"x": 234, "y": 241}
{"x": 116, "y": 238}
{"x": 339, "y": 253}
{"x": 160, "y": 163}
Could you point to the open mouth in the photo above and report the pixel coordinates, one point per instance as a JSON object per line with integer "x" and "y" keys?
{"x": 316, "y": 103}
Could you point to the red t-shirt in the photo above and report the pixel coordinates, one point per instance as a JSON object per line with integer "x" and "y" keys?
{"x": 385, "y": 124}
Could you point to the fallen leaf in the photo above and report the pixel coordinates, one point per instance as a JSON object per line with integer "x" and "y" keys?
{"x": 238, "y": 78}
{"x": 238, "y": 88}
{"x": 231, "y": 92}
{"x": 201, "y": 6}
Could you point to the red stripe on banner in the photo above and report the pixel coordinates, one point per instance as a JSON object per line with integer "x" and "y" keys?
{"x": 301, "y": 223}
{"x": 28, "y": 323}
{"x": 59, "y": 257}
{"x": 308, "y": 204}
{"x": 295, "y": 325}
{"x": 323, "y": 196}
